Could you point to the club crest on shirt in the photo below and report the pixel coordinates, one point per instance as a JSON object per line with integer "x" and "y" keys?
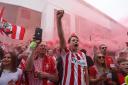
{"x": 78, "y": 62}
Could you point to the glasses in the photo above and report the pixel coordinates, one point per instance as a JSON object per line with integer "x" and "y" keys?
{"x": 101, "y": 57}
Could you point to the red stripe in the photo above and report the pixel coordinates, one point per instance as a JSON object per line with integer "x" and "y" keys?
{"x": 79, "y": 71}
{"x": 72, "y": 73}
{"x": 22, "y": 31}
{"x": 1, "y": 31}
{"x": 14, "y": 28}
{"x": 1, "y": 12}
{"x": 66, "y": 68}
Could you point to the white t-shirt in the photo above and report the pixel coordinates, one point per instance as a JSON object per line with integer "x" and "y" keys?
{"x": 8, "y": 76}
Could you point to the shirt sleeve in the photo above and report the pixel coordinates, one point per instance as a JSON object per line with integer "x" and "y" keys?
{"x": 92, "y": 72}
{"x": 20, "y": 76}
{"x": 63, "y": 52}
{"x": 84, "y": 59}
{"x": 109, "y": 62}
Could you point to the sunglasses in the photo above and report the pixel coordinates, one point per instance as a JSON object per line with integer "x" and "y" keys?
{"x": 101, "y": 57}
{"x": 103, "y": 47}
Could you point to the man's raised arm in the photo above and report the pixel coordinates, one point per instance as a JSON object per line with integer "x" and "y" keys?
{"x": 59, "y": 16}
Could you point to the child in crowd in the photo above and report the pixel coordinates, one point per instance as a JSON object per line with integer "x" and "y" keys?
{"x": 123, "y": 70}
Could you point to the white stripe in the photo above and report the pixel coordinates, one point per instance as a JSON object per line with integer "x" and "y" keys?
{"x": 68, "y": 70}
{"x": 82, "y": 78}
{"x": 84, "y": 57}
{"x": 75, "y": 72}
{"x": 18, "y": 30}
{"x": 82, "y": 73}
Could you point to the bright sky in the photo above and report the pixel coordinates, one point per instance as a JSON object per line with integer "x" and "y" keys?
{"x": 117, "y": 9}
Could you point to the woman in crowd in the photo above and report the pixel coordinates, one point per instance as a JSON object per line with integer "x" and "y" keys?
{"x": 9, "y": 73}
{"x": 99, "y": 73}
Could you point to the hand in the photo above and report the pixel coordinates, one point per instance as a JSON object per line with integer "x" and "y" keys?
{"x": 42, "y": 75}
{"x": 110, "y": 82}
{"x": 11, "y": 82}
{"x": 103, "y": 77}
{"x": 60, "y": 14}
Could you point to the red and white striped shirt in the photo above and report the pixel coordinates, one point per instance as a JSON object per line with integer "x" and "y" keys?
{"x": 45, "y": 64}
{"x": 73, "y": 65}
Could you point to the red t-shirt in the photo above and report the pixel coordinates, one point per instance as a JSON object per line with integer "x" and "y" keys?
{"x": 109, "y": 61}
{"x": 94, "y": 73}
{"x": 121, "y": 78}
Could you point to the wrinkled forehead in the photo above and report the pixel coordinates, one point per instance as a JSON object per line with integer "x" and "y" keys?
{"x": 42, "y": 45}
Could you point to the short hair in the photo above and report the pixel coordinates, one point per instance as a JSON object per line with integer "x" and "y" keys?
{"x": 73, "y": 35}
{"x": 121, "y": 59}
{"x": 123, "y": 54}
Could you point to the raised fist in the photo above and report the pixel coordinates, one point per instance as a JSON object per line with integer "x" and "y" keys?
{"x": 60, "y": 14}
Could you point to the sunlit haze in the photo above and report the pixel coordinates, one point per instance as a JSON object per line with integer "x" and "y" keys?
{"x": 117, "y": 9}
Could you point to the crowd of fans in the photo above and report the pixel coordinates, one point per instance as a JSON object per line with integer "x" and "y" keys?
{"x": 40, "y": 64}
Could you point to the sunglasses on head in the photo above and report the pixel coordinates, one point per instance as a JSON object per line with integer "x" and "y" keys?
{"x": 100, "y": 57}
{"x": 103, "y": 47}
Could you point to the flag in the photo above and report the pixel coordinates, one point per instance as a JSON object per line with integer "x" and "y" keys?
{"x": 13, "y": 31}
{"x": 17, "y": 32}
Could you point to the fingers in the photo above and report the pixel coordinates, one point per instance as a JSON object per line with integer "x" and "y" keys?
{"x": 60, "y": 14}
{"x": 11, "y": 82}
{"x": 103, "y": 77}
{"x": 41, "y": 75}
